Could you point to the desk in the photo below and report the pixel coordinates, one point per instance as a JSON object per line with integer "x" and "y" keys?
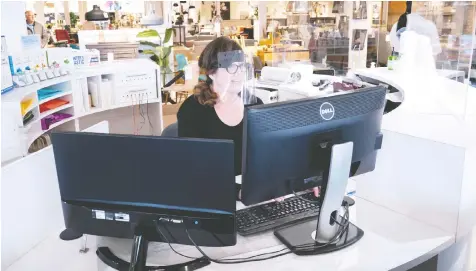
{"x": 436, "y": 114}
{"x": 391, "y": 241}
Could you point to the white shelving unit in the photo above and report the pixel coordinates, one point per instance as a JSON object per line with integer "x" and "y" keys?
{"x": 114, "y": 85}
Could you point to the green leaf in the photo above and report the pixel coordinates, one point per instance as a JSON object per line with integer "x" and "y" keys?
{"x": 166, "y": 51}
{"x": 148, "y": 33}
{"x": 148, "y": 43}
{"x": 148, "y": 52}
{"x": 168, "y": 34}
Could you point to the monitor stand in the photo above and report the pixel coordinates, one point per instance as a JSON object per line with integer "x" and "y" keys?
{"x": 139, "y": 258}
{"x": 307, "y": 233}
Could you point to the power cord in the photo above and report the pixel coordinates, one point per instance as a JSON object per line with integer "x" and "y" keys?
{"x": 168, "y": 242}
{"x": 141, "y": 113}
{"x": 299, "y": 196}
{"x": 237, "y": 260}
{"x": 133, "y": 117}
{"x": 148, "y": 118}
{"x": 343, "y": 228}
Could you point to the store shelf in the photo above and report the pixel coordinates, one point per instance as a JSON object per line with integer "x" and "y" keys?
{"x": 31, "y": 107}
{"x": 59, "y": 95}
{"x": 56, "y": 124}
{"x": 54, "y": 110}
{"x": 18, "y": 94}
{"x": 31, "y": 123}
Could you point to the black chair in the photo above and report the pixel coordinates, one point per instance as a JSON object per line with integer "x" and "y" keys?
{"x": 171, "y": 130}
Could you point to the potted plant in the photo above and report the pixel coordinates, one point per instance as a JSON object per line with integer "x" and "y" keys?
{"x": 159, "y": 52}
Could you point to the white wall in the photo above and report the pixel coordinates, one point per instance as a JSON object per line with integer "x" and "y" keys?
{"x": 31, "y": 204}
{"x": 275, "y": 9}
{"x": 237, "y": 7}
{"x": 13, "y": 23}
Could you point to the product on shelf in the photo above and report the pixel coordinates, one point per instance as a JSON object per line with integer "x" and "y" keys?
{"x": 52, "y": 105}
{"x": 53, "y": 118}
{"x": 24, "y": 105}
{"x": 28, "y": 117}
{"x": 46, "y": 93}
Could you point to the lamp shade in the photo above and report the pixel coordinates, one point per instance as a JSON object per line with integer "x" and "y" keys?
{"x": 96, "y": 14}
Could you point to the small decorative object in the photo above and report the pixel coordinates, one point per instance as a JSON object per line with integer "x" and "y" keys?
{"x": 42, "y": 75}
{"x": 16, "y": 80}
{"x": 28, "y": 78}
{"x": 49, "y": 74}
{"x": 36, "y": 79}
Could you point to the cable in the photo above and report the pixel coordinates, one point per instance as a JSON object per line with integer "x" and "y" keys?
{"x": 342, "y": 230}
{"x": 133, "y": 117}
{"x": 237, "y": 260}
{"x": 148, "y": 118}
{"x": 141, "y": 113}
{"x": 170, "y": 245}
{"x": 299, "y": 196}
{"x": 168, "y": 242}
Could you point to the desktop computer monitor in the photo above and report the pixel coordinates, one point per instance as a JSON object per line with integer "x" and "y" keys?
{"x": 292, "y": 146}
{"x": 288, "y": 146}
{"x": 147, "y": 188}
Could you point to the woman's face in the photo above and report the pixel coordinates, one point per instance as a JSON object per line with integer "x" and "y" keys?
{"x": 229, "y": 80}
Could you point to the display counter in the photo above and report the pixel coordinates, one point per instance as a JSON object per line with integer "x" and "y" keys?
{"x": 87, "y": 91}
{"x": 415, "y": 207}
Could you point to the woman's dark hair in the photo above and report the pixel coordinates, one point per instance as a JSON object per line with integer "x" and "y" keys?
{"x": 208, "y": 64}
{"x": 402, "y": 21}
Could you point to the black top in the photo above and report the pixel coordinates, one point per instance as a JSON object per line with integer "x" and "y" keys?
{"x": 201, "y": 121}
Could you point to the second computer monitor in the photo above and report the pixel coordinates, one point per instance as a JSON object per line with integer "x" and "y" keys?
{"x": 287, "y": 146}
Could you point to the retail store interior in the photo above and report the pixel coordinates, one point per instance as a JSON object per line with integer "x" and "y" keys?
{"x": 127, "y": 67}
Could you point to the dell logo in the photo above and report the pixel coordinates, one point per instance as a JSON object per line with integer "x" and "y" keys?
{"x": 327, "y": 111}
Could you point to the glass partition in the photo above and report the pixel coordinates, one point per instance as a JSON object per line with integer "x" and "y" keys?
{"x": 356, "y": 34}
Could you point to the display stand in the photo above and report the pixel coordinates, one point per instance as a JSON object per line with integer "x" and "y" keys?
{"x": 306, "y": 238}
{"x": 139, "y": 257}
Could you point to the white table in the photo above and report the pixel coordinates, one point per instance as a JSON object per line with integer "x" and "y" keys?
{"x": 391, "y": 241}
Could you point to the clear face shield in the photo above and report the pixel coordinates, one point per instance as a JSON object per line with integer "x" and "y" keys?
{"x": 234, "y": 77}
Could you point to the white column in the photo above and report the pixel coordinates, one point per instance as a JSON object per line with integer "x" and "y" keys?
{"x": 67, "y": 18}
{"x": 167, "y": 13}
{"x": 262, "y": 20}
{"x": 82, "y": 9}
{"x": 39, "y": 7}
{"x": 13, "y": 24}
{"x": 153, "y": 5}
{"x": 58, "y": 9}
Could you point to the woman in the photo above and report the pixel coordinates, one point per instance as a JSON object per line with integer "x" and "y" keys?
{"x": 216, "y": 109}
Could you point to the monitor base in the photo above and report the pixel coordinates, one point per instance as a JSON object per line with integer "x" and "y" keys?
{"x": 139, "y": 257}
{"x": 69, "y": 235}
{"x": 297, "y": 235}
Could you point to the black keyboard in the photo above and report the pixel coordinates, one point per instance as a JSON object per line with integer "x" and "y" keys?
{"x": 274, "y": 214}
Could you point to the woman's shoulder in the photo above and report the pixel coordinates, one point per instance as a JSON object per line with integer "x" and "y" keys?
{"x": 191, "y": 106}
